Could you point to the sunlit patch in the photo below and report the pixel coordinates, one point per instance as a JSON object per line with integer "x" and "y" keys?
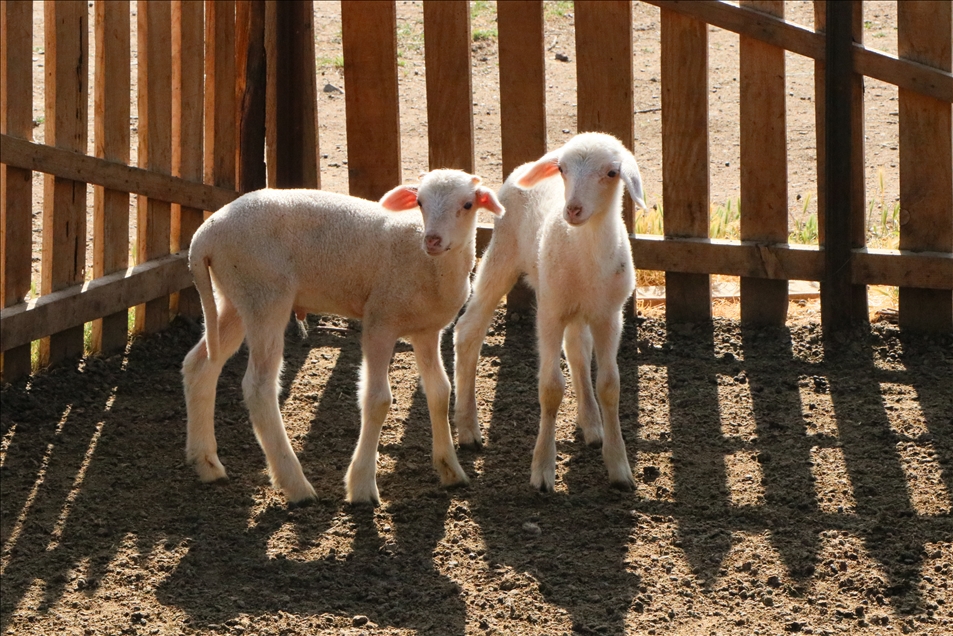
{"x": 164, "y": 557}
{"x": 31, "y": 601}
{"x": 902, "y": 405}
{"x": 655, "y": 476}
{"x": 754, "y": 578}
{"x": 936, "y": 572}
{"x": 832, "y": 485}
{"x": 283, "y": 541}
{"x": 928, "y": 492}
{"x": 744, "y": 478}
{"x": 57, "y": 532}
{"x": 817, "y": 409}
{"x": 291, "y": 541}
{"x": 654, "y": 423}
{"x": 5, "y": 442}
{"x": 734, "y": 407}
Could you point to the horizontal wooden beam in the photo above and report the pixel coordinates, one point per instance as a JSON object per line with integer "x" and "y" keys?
{"x": 906, "y": 74}
{"x": 903, "y": 268}
{"x": 110, "y": 174}
{"x": 100, "y": 297}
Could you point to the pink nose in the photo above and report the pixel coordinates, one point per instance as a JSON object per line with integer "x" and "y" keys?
{"x": 433, "y": 242}
{"x": 573, "y": 212}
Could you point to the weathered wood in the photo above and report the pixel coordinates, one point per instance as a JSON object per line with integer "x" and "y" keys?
{"x": 154, "y": 222}
{"x": 111, "y": 207}
{"x": 294, "y": 99}
{"x": 250, "y": 44}
{"x": 73, "y": 165}
{"x": 188, "y": 88}
{"x": 925, "y": 35}
{"x": 920, "y": 78}
{"x": 220, "y": 101}
{"x": 903, "y": 268}
{"x": 685, "y": 176}
{"x": 70, "y": 307}
{"x": 764, "y": 166}
{"x": 64, "y": 200}
{"x": 16, "y": 191}
{"x": 369, "y": 39}
{"x": 449, "y": 86}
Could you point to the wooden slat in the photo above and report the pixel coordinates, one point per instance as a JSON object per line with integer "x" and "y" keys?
{"x": 764, "y": 166}
{"x": 188, "y": 88}
{"x": 925, "y": 34}
{"x": 522, "y": 101}
{"x": 64, "y": 200}
{"x": 16, "y": 191}
{"x": 250, "y": 45}
{"x": 293, "y": 99}
{"x": 154, "y": 222}
{"x": 73, "y": 165}
{"x": 886, "y": 68}
{"x": 449, "y": 87}
{"x": 685, "y": 176}
{"x": 111, "y": 207}
{"x": 220, "y": 105}
{"x": 369, "y": 39}
{"x": 903, "y": 268}
{"x": 75, "y": 305}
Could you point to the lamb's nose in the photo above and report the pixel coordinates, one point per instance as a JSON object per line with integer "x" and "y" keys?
{"x": 432, "y": 242}
{"x": 573, "y": 212}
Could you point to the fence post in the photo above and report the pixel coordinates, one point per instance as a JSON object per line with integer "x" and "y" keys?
{"x": 64, "y": 200}
{"x": 764, "y": 169}
{"x": 369, "y": 39}
{"x": 449, "y": 84}
{"x": 220, "y": 100}
{"x": 250, "y": 25}
{"x": 111, "y": 207}
{"x": 16, "y": 184}
{"x": 522, "y": 101}
{"x": 685, "y": 170}
{"x": 926, "y": 160}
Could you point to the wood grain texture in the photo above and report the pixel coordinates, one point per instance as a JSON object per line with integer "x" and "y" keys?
{"x": 111, "y": 207}
{"x": 369, "y": 38}
{"x": 685, "y": 175}
{"x": 154, "y": 223}
{"x": 221, "y": 134}
{"x": 250, "y": 45}
{"x": 16, "y": 187}
{"x": 64, "y": 201}
{"x": 764, "y": 167}
{"x": 188, "y": 96}
{"x": 925, "y": 35}
{"x": 449, "y": 87}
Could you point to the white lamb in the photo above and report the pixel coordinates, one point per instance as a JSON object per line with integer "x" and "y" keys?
{"x": 271, "y": 252}
{"x": 568, "y": 238}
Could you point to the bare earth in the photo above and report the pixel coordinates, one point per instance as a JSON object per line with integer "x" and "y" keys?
{"x": 785, "y": 483}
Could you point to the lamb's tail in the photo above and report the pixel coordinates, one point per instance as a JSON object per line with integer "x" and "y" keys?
{"x": 201, "y": 265}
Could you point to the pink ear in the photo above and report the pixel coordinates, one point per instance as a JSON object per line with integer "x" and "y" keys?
{"x": 487, "y": 200}
{"x": 400, "y": 198}
{"x": 546, "y": 167}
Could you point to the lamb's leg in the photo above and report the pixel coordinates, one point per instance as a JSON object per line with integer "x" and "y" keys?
{"x": 199, "y": 379}
{"x": 552, "y": 385}
{"x": 437, "y": 388}
{"x": 261, "y": 386}
{"x": 578, "y": 346}
{"x": 606, "y": 334}
{"x": 496, "y": 276}
{"x": 375, "y": 395}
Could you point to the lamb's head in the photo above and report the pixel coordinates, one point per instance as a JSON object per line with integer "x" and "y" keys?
{"x": 593, "y": 167}
{"x": 448, "y": 201}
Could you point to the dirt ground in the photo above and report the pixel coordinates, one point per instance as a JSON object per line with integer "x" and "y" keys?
{"x": 786, "y": 483}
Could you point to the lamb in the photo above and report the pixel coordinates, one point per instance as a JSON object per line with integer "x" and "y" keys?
{"x": 272, "y": 252}
{"x": 568, "y": 238}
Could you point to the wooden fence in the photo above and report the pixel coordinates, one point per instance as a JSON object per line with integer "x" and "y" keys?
{"x": 260, "y": 102}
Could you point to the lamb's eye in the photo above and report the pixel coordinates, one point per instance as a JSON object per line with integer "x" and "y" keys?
{"x": 612, "y": 174}
{"x": 468, "y": 205}
{"x": 560, "y": 169}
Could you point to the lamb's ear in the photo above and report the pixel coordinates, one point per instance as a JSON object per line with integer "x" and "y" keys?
{"x": 545, "y": 167}
{"x": 486, "y": 199}
{"x": 633, "y": 181}
{"x": 400, "y": 198}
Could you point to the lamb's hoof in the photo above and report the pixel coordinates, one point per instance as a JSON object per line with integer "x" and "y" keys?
{"x": 471, "y": 445}
{"x": 595, "y": 442}
{"x": 450, "y": 473}
{"x": 209, "y": 468}
{"x": 625, "y": 485}
{"x": 369, "y": 502}
{"x": 302, "y": 503}
{"x": 544, "y": 484}
{"x": 302, "y": 495}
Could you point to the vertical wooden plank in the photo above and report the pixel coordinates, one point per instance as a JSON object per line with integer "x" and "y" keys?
{"x": 16, "y": 191}
{"x": 64, "y": 201}
{"x": 271, "y": 92}
{"x": 220, "y": 104}
{"x": 604, "y": 73}
{"x": 111, "y": 207}
{"x": 369, "y": 39}
{"x": 155, "y": 145}
{"x": 764, "y": 169}
{"x": 295, "y": 97}
{"x": 188, "y": 88}
{"x": 522, "y": 100}
{"x": 250, "y": 43}
{"x": 449, "y": 84}
{"x": 685, "y": 174}
{"x": 925, "y": 35}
